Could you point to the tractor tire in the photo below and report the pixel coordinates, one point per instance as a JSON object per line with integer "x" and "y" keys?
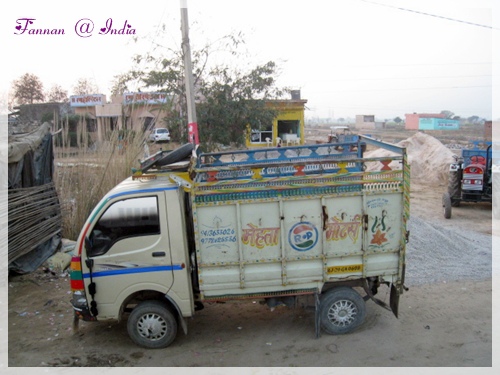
{"x": 447, "y": 205}
{"x": 454, "y": 188}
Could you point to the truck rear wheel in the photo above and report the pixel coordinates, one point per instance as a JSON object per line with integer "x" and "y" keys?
{"x": 446, "y": 205}
{"x": 152, "y": 325}
{"x": 341, "y": 310}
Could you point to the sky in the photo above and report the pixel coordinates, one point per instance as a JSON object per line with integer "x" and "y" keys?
{"x": 383, "y": 57}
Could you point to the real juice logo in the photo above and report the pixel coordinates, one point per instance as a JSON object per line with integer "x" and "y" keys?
{"x": 303, "y": 236}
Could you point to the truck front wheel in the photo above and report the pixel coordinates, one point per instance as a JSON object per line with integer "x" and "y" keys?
{"x": 152, "y": 325}
{"x": 341, "y": 310}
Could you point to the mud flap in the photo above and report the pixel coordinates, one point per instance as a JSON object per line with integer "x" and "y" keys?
{"x": 370, "y": 295}
{"x": 394, "y": 302}
{"x": 184, "y": 326}
{"x": 180, "y": 319}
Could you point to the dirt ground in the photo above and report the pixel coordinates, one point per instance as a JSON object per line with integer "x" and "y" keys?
{"x": 440, "y": 325}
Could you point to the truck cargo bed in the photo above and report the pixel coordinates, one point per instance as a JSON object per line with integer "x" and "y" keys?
{"x": 289, "y": 220}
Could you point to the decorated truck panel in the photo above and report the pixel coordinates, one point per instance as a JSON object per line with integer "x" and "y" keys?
{"x": 281, "y": 244}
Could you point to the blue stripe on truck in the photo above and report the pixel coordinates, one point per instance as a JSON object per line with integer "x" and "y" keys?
{"x": 127, "y": 271}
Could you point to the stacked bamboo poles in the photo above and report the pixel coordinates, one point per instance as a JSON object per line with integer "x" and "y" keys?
{"x": 34, "y": 218}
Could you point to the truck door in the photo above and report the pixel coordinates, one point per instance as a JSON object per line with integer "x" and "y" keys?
{"x": 129, "y": 250}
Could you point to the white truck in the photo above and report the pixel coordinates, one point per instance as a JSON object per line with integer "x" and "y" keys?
{"x": 273, "y": 224}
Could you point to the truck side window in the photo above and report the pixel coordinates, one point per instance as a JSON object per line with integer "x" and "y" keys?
{"x": 126, "y": 218}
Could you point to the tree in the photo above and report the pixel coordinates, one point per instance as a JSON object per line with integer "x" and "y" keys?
{"x": 228, "y": 100}
{"x": 234, "y": 101}
{"x": 57, "y": 94}
{"x": 447, "y": 114}
{"x": 474, "y": 120}
{"x": 85, "y": 86}
{"x": 28, "y": 89}
{"x": 120, "y": 84}
{"x": 398, "y": 120}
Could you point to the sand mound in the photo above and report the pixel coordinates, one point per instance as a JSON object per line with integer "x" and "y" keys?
{"x": 429, "y": 159}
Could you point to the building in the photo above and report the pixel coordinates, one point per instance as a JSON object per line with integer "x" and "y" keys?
{"x": 136, "y": 111}
{"x": 433, "y": 123}
{"x": 413, "y": 119}
{"x": 85, "y": 106}
{"x": 488, "y": 130}
{"x": 39, "y": 112}
{"x": 365, "y": 122}
{"x": 288, "y": 125}
{"x": 145, "y": 110}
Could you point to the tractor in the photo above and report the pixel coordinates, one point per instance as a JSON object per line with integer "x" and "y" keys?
{"x": 470, "y": 178}
{"x": 343, "y": 135}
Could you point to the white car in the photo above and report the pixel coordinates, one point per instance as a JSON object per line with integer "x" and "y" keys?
{"x": 159, "y": 135}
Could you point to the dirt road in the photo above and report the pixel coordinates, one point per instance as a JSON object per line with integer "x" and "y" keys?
{"x": 439, "y": 325}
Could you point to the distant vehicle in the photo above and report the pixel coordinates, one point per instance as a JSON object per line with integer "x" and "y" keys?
{"x": 344, "y": 135}
{"x": 339, "y": 134}
{"x": 470, "y": 178}
{"x": 159, "y": 135}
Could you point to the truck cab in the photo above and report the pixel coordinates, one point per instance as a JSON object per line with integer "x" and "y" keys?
{"x": 134, "y": 248}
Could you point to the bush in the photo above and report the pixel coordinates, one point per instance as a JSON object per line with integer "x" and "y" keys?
{"x": 83, "y": 174}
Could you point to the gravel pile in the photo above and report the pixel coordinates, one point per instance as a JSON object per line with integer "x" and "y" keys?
{"x": 436, "y": 254}
{"x": 429, "y": 159}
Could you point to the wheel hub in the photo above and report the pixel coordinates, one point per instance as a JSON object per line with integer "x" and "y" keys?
{"x": 152, "y": 326}
{"x": 342, "y": 313}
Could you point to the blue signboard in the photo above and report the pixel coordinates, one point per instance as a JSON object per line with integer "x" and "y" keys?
{"x": 433, "y": 123}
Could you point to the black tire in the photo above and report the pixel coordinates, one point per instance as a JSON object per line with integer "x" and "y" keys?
{"x": 180, "y": 153}
{"x": 454, "y": 187}
{"x": 152, "y": 325}
{"x": 446, "y": 205}
{"x": 341, "y": 310}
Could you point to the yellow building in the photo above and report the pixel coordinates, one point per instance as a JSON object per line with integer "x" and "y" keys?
{"x": 287, "y": 127}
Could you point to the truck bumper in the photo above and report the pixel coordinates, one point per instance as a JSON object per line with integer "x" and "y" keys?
{"x": 81, "y": 307}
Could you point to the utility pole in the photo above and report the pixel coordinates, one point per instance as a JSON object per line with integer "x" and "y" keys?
{"x": 188, "y": 72}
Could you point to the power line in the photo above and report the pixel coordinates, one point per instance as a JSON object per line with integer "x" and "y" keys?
{"x": 431, "y": 15}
